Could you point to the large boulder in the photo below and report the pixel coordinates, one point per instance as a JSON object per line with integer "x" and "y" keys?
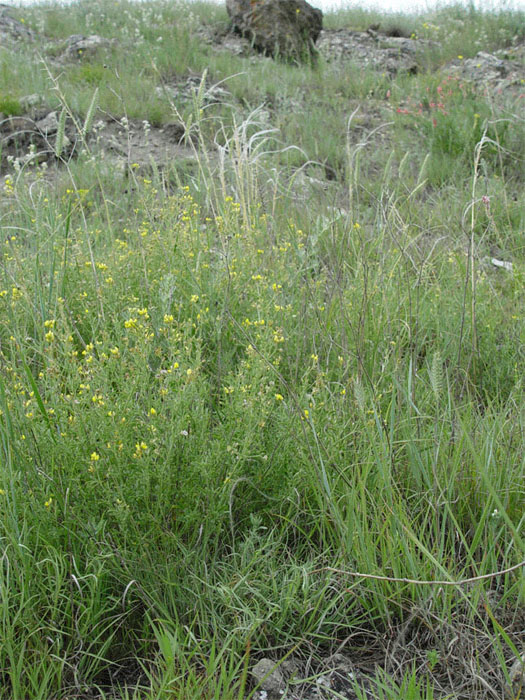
{"x": 284, "y": 28}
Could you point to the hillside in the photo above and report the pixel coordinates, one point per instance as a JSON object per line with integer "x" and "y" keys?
{"x": 261, "y": 357}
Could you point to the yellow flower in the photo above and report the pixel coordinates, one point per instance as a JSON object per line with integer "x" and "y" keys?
{"x": 95, "y": 457}
{"x": 49, "y": 336}
{"x": 279, "y": 397}
{"x": 140, "y": 447}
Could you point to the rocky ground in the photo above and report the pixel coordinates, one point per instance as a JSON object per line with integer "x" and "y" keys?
{"x": 335, "y": 676}
{"x": 29, "y": 139}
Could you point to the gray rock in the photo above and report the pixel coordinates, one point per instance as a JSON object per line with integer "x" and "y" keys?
{"x": 79, "y": 46}
{"x": 236, "y": 45}
{"x": 269, "y": 676}
{"x": 273, "y": 676}
{"x": 12, "y": 29}
{"x": 399, "y": 43}
{"x": 490, "y": 73}
{"x": 287, "y": 28}
{"x": 334, "y": 677}
{"x": 225, "y": 41}
{"x": 49, "y": 124}
{"x": 29, "y": 101}
{"x": 370, "y": 50}
{"x": 516, "y": 689}
{"x": 502, "y": 264}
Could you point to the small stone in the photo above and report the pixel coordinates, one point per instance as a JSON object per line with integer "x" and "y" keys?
{"x": 49, "y": 124}
{"x": 503, "y": 264}
{"x": 516, "y": 689}
{"x": 268, "y": 674}
{"x": 80, "y": 47}
{"x": 29, "y": 101}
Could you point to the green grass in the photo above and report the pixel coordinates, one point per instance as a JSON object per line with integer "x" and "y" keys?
{"x": 230, "y": 394}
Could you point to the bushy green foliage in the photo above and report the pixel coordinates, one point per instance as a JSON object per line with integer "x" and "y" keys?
{"x": 10, "y": 106}
{"x": 454, "y": 120}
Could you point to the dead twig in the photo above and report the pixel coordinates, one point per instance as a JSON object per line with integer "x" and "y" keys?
{"x": 462, "y": 582}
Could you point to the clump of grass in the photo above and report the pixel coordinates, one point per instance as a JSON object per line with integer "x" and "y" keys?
{"x": 10, "y": 106}
{"x": 452, "y": 119}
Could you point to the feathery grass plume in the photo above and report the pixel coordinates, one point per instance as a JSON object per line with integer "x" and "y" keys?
{"x": 61, "y": 132}
{"x": 202, "y": 84}
{"x": 90, "y": 114}
{"x": 198, "y": 95}
{"x": 360, "y": 394}
{"x": 436, "y": 375}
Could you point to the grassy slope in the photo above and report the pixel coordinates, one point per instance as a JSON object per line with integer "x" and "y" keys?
{"x": 216, "y": 397}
